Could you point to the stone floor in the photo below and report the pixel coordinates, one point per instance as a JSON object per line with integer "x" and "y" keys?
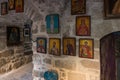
{"x": 22, "y": 73}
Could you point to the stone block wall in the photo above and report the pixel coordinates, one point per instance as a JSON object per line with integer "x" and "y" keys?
{"x": 11, "y": 57}
{"x": 69, "y": 67}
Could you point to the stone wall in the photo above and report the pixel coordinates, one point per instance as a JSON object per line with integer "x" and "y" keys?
{"x": 69, "y": 67}
{"x": 11, "y": 57}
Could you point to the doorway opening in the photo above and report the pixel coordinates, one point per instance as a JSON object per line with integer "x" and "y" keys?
{"x": 110, "y": 56}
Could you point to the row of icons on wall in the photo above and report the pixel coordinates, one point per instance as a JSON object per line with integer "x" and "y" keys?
{"x": 86, "y": 46}
{"x": 78, "y": 7}
{"x": 17, "y": 5}
{"x": 111, "y": 8}
{"x": 83, "y": 26}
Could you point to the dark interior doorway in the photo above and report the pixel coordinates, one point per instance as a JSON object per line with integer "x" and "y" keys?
{"x": 110, "y": 56}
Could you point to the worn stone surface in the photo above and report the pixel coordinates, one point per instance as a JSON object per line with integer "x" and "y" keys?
{"x": 37, "y": 59}
{"x": 43, "y": 28}
{"x": 42, "y": 74}
{"x": 104, "y": 25}
{"x": 47, "y": 61}
{"x": 96, "y": 43}
{"x": 2, "y": 44}
{"x": 62, "y": 74}
{"x": 7, "y": 53}
{"x": 34, "y": 28}
{"x": 97, "y": 54}
{"x": 76, "y": 76}
{"x": 94, "y": 77}
{"x": 11, "y": 57}
{"x": 28, "y": 53}
{"x": 28, "y": 59}
{"x": 6, "y": 68}
{"x": 2, "y": 34}
{"x": 36, "y": 73}
{"x": 96, "y": 0}
{"x": 115, "y": 24}
{"x": 37, "y": 17}
{"x": 2, "y": 62}
{"x": 23, "y": 73}
{"x": 9, "y": 60}
{"x": 90, "y": 64}
{"x": 17, "y": 64}
{"x": 2, "y": 28}
{"x": 67, "y": 64}
{"x": 19, "y": 50}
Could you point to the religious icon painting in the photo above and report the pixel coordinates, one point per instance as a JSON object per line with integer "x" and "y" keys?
{"x": 19, "y": 6}
{"x": 83, "y": 26}
{"x": 78, "y": 7}
{"x": 41, "y": 45}
{"x": 55, "y": 46}
{"x": 52, "y": 23}
{"x": 11, "y": 4}
{"x": 111, "y": 9}
{"x": 13, "y": 36}
{"x": 4, "y": 8}
{"x": 69, "y": 46}
{"x": 86, "y": 48}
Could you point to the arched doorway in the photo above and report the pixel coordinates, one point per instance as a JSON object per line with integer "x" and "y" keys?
{"x": 110, "y": 56}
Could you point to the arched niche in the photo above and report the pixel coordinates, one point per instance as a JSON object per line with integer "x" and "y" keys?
{"x": 110, "y": 56}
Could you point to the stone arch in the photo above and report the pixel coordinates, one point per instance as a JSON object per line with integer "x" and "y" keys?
{"x": 109, "y": 53}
